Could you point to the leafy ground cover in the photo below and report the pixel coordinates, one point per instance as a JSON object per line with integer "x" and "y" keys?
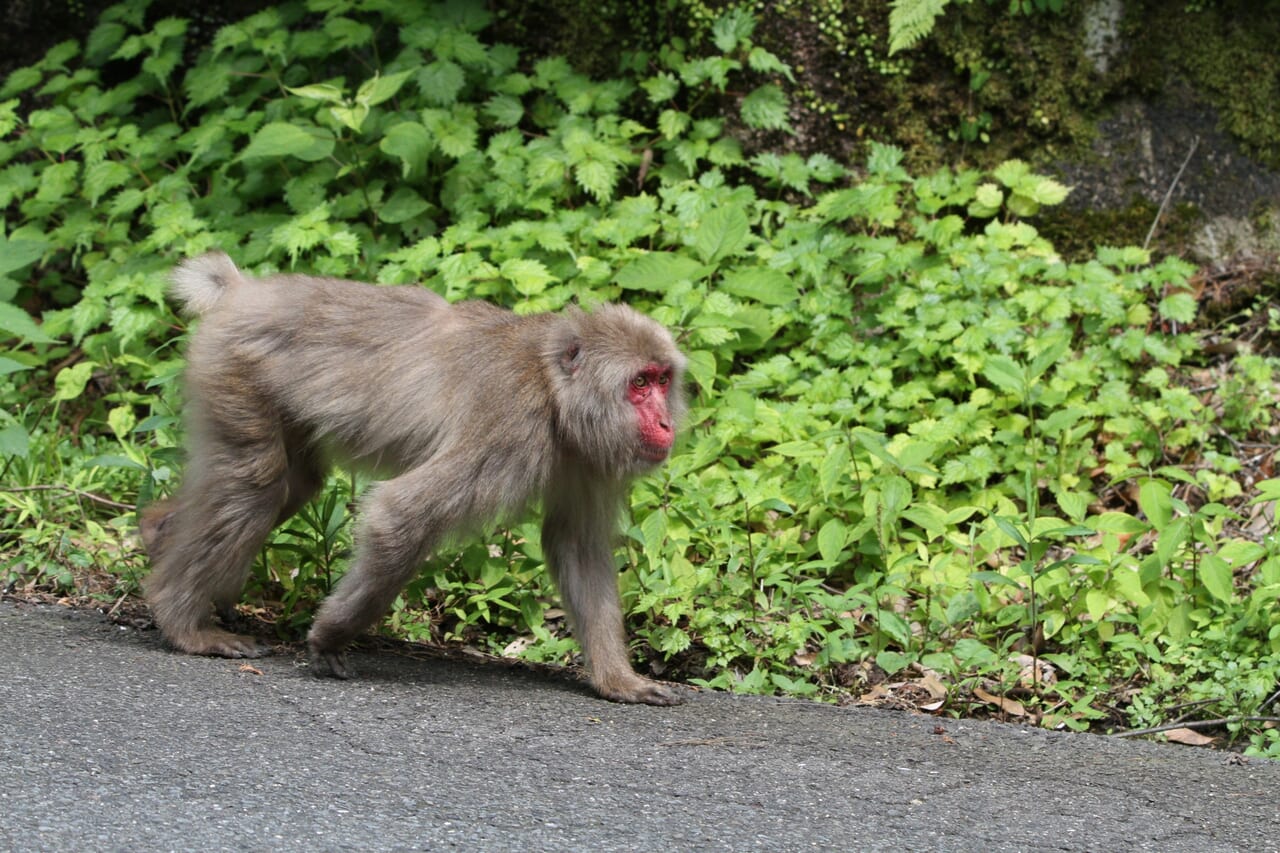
{"x": 930, "y": 462}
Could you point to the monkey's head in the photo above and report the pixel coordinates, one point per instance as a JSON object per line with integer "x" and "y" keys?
{"x": 619, "y": 388}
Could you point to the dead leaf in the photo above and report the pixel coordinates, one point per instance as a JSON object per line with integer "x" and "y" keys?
{"x": 516, "y": 646}
{"x": 1190, "y": 737}
{"x": 250, "y": 669}
{"x": 1034, "y": 670}
{"x": 1009, "y": 706}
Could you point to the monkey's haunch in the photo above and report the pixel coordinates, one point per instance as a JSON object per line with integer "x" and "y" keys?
{"x": 475, "y": 411}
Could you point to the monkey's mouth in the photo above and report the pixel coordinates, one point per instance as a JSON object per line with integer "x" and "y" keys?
{"x": 653, "y": 453}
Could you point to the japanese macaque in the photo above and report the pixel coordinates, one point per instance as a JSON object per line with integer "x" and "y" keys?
{"x": 474, "y": 412}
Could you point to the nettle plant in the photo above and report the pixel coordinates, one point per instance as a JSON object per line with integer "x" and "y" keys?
{"x": 919, "y": 438}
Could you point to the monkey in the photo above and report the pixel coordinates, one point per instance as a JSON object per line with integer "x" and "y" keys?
{"x": 468, "y": 413}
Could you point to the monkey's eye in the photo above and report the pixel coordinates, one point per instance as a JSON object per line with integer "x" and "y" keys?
{"x": 639, "y": 382}
{"x": 664, "y": 379}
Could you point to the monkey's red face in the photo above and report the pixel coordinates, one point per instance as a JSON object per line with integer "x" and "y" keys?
{"x": 647, "y": 392}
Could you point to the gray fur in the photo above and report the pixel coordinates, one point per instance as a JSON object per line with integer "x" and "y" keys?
{"x": 474, "y": 412}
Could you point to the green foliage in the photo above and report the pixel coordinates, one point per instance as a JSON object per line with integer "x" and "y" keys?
{"x": 920, "y": 440}
{"x": 910, "y": 21}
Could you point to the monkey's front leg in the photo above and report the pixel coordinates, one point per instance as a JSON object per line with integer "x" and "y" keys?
{"x": 579, "y": 552}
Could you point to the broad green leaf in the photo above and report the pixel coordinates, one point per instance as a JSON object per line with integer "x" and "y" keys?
{"x": 892, "y": 662}
{"x": 702, "y": 367}
{"x": 379, "y": 88}
{"x": 441, "y": 81}
{"x": 122, "y": 420}
{"x": 1216, "y": 574}
{"x": 761, "y": 284}
{"x": 410, "y": 143}
{"x": 19, "y": 324}
{"x": 352, "y": 116}
{"x": 110, "y": 460}
{"x": 319, "y": 92}
{"x": 831, "y": 539}
{"x": 8, "y": 365}
{"x": 403, "y": 205}
{"x": 280, "y": 139}
{"x": 528, "y": 276}
{"x": 1241, "y": 552}
{"x": 505, "y": 110}
{"x": 1118, "y": 522}
{"x": 659, "y": 271}
{"x": 661, "y": 88}
{"x": 16, "y": 254}
{"x": 1171, "y": 539}
{"x": 14, "y": 441}
{"x": 722, "y": 232}
{"x": 765, "y": 108}
{"x": 1179, "y": 307}
{"x": 1004, "y": 373}
{"x": 71, "y": 381}
{"x": 986, "y": 201}
{"x": 1155, "y": 497}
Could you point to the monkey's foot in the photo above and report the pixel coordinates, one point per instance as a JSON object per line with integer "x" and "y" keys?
{"x": 641, "y": 691}
{"x": 218, "y": 643}
{"x": 328, "y": 664}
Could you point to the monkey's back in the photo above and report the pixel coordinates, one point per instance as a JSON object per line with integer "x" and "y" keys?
{"x": 422, "y": 389}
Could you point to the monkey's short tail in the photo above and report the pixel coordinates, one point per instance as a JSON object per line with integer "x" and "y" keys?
{"x": 198, "y": 283}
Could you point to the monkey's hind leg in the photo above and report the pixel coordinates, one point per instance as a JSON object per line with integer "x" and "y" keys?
{"x": 401, "y": 521}
{"x": 203, "y": 557}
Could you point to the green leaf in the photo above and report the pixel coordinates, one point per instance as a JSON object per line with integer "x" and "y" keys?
{"x": 441, "y": 81}
{"x": 761, "y": 284}
{"x": 378, "y": 88}
{"x": 110, "y": 460}
{"x": 280, "y": 139}
{"x": 19, "y": 324}
{"x": 702, "y": 367}
{"x": 911, "y": 20}
{"x": 1004, "y": 373}
{"x": 318, "y": 92}
{"x": 410, "y": 143}
{"x": 722, "y": 232}
{"x": 71, "y": 381}
{"x": 1155, "y": 497}
{"x": 733, "y": 27}
{"x": 1217, "y": 576}
{"x": 765, "y": 62}
{"x": 403, "y": 205}
{"x": 529, "y": 277}
{"x": 16, "y": 254}
{"x": 505, "y": 110}
{"x": 661, "y": 88}
{"x": 672, "y": 123}
{"x": 986, "y": 201}
{"x": 1179, "y": 307}
{"x": 832, "y": 539}
{"x": 892, "y": 662}
{"x": 14, "y": 441}
{"x": 765, "y": 108}
{"x": 8, "y": 365}
{"x": 659, "y": 271}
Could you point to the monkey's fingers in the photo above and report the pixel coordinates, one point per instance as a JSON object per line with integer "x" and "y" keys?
{"x": 223, "y": 644}
{"x": 642, "y": 691}
{"x": 328, "y": 664}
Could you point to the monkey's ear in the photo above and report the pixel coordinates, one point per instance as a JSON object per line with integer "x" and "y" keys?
{"x": 571, "y": 355}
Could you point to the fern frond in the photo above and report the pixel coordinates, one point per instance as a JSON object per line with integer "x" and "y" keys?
{"x": 912, "y": 20}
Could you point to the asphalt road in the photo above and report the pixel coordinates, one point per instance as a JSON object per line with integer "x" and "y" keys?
{"x": 110, "y": 742}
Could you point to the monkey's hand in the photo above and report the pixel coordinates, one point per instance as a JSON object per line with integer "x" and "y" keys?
{"x": 330, "y": 664}
{"x": 218, "y": 643}
{"x": 641, "y": 691}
